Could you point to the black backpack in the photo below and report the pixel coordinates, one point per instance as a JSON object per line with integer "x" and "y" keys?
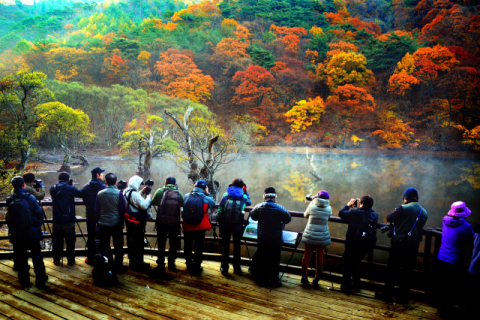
{"x": 18, "y": 217}
{"x": 232, "y": 212}
{"x": 193, "y": 209}
{"x": 168, "y": 212}
{"x": 366, "y": 233}
{"x": 104, "y": 270}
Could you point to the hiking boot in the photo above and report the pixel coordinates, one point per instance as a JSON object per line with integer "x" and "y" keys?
{"x": 224, "y": 269}
{"x": 42, "y": 282}
{"x": 275, "y": 282}
{"x": 171, "y": 266}
{"x": 57, "y": 262}
{"x": 71, "y": 262}
{"x": 90, "y": 261}
{"x": 346, "y": 289}
{"x": 305, "y": 282}
{"x": 159, "y": 271}
{"x": 385, "y": 296}
{"x": 315, "y": 282}
{"x": 238, "y": 271}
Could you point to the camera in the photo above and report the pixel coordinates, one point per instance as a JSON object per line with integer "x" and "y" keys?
{"x": 37, "y": 184}
{"x": 355, "y": 204}
{"x": 70, "y": 182}
{"x": 122, "y": 185}
{"x": 309, "y": 197}
{"x": 148, "y": 184}
{"x": 388, "y": 228}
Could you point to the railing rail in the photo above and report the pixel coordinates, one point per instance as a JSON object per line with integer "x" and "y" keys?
{"x": 428, "y": 255}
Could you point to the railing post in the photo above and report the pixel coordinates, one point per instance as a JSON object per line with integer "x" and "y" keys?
{"x": 370, "y": 255}
{"x": 427, "y": 250}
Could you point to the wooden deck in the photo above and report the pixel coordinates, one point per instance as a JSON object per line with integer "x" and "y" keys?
{"x": 70, "y": 294}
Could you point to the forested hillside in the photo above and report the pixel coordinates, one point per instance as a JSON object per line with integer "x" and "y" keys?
{"x": 339, "y": 73}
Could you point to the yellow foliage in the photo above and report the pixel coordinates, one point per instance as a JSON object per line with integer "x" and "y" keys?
{"x": 407, "y": 65}
{"x": 316, "y": 31}
{"x": 305, "y": 114}
{"x": 356, "y": 139}
{"x": 396, "y": 133}
{"x": 144, "y": 56}
{"x": 348, "y": 68}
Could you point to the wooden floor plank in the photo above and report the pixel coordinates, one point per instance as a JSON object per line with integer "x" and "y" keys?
{"x": 12, "y": 312}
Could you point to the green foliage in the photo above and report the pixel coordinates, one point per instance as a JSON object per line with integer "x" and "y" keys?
{"x": 319, "y": 44}
{"x": 260, "y": 56}
{"x": 129, "y": 48}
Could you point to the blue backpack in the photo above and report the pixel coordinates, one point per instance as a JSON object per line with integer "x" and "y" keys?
{"x": 193, "y": 209}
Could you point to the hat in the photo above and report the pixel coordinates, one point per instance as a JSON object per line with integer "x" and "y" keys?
{"x": 323, "y": 195}
{"x": 97, "y": 170}
{"x": 270, "y": 193}
{"x": 17, "y": 182}
{"x": 410, "y": 193}
{"x": 459, "y": 209}
{"x": 201, "y": 184}
{"x": 170, "y": 180}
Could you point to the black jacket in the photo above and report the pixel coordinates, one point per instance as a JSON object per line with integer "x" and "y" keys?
{"x": 271, "y": 218}
{"x": 63, "y": 198}
{"x": 35, "y": 233}
{"x": 354, "y": 219}
{"x": 89, "y": 192}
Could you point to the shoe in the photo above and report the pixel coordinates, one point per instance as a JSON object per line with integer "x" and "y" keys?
{"x": 305, "y": 282}
{"x": 71, "y": 262}
{"x": 346, "y": 289}
{"x": 158, "y": 271}
{"x": 315, "y": 282}
{"x": 238, "y": 271}
{"x": 356, "y": 287}
{"x": 90, "y": 261}
{"x": 387, "y": 297}
{"x": 275, "y": 282}
{"x": 171, "y": 266}
{"x": 57, "y": 263}
{"x": 25, "y": 283}
{"x": 224, "y": 269}
{"x": 42, "y": 283}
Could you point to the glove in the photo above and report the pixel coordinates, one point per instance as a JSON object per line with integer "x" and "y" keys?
{"x": 41, "y": 183}
{"x": 244, "y": 188}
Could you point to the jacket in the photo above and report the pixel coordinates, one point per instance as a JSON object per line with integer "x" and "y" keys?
{"x": 236, "y": 192}
{"x": 39, "y": 195}
{"x": 403, "y": 218}
{"x": 63, "y": 198}
{"x": 475, "y": 262}
{"x": 136, "y": 199}
{"x": 157, "y": 198}
{"x": 316, "y": 232}
{"x": 457, "y": 234}
{"x": 208, "y": 202}
{"x": 271, "y": 218}
{"x": 35, "y": 233}
{"x": 354, "y": 219}
{"x": 109, "y": 207}
{"x": 90, "y": 191}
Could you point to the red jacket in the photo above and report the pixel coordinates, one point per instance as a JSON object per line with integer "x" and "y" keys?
{"x": 204, "y": 225}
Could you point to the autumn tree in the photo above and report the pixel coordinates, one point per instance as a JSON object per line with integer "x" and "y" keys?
{"x": 305, "y": 113}
{"x": 395, "y": 133}
{"x": 253, "y": 85}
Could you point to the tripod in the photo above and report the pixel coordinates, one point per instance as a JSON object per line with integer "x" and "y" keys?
{"x": 48, "y": 225}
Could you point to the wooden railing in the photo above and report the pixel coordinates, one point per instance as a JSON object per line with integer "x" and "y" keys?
{"x": 371, "y": 270}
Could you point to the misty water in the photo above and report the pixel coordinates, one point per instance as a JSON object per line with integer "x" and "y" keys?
{"x": 439, "y": 181}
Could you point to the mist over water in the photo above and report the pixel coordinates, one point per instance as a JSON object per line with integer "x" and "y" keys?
{"x": 439, "y": 181}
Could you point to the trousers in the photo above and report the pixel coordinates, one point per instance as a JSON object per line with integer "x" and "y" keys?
{"x": 266, "y": 262}
{"x": 164, "y": 232}
{"x": 307, "y": 256}
{"x": 352, "y": 257}
{"x": 92, "y": 233}
{"x": 116, "y": 234}
{"x": 191, "y": 237}
{"x": 61, "y": 232}
{"x": 400, "y": 270}
{"x": 135, "y": 243}
{"x": 226, "y": 234}
{"x": 21, "y": 255}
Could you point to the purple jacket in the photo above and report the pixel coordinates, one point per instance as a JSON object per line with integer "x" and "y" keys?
{"x": 457, "y": 234}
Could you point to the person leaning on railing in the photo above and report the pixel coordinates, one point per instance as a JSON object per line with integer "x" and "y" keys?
{"x": 63, "y": 203}
{"x": 408, "y": 220}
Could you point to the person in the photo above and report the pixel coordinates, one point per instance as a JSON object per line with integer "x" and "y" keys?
{"x": 271, "y": 218}
{"x": 195, "y": 233}
{"x": 26, "y": 236}
{"x": 457, "y": 235}
{"x": 39, "y": 194}
{"x": 135, "y": 218}
{"x": 408, "y": 220}
{"x": 63, "y": 199}
{"x": 90, "y": 191}
{"x": 109, "y": 210}
{"x": 231, "y": 219}
{"x": 360, "y": 239}
{"x": 169, "y": 201}
{"x": 474, "y": 270}
{"x": 316, "y": 235}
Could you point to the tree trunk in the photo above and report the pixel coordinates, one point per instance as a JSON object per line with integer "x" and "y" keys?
{"x": 66, "y": 164}
{"x": 24, "y": 159}
{"x": 147, "y": 162}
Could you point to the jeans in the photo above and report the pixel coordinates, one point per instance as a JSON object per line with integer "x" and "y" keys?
{"x": 226, "y": 234}
{"x": 266, "y": 262}
{"x": 92, "y": 233}
{"x": 164, "y": 232}
{"x": 307, "y": 256}
{"x": 199, "y": 238}
{"x": 352, "y": 257}
{"x": 21, "y": 254}
{"x": 60, "y": 232}
{"x": 400, "y": 268}
{"x": 135, "y": 243}
{"x": 116, "y": 233}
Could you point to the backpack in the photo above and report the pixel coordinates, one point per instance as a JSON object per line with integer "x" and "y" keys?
{"x": 18, "y": 217}
{"x": 168, "y": 212}
{"x": 130, "y": 215}
{"x": 193, "y": 209}
{"x": 104, "y": 270}
{"x": 367, "y": 232}
{"x": 233, "y": 213}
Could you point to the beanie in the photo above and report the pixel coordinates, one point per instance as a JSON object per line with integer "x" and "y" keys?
{"x": 170, "y": 180}
{"x": 202, "y": 184}
{"x": 323, "y": 195}
{"x": 410, "y": 193}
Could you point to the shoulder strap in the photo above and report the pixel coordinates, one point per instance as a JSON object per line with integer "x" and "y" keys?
{"x": 416, "y": 220}
{"x": 130, "y": 197}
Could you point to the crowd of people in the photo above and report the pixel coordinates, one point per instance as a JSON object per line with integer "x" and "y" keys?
{"x": 110, "y": 206}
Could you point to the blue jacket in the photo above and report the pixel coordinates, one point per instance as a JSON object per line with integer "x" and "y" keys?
{"x": 89, "y": 194}
{"x": 457, "y": 235}
{"x": 36, "y": 211}
{"x": 271, "y": 218}
{"x": 354, "y": 219}
{"x": 63, "y": 198}
{"x": 236, "y": 192}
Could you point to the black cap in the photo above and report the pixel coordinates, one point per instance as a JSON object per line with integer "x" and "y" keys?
{"x": 270, "y": 190}
{"x": 17, "y": 182}
{"x": 97, "y": 170}
{"x": 170, "y": 180}
{"x": 202, "y": 184}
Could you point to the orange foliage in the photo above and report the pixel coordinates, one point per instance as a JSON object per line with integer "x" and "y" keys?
{"x": 202, "y": 9}
{"x": 399, "y": 33}
{"x": 395, "y": 133}
{"x": 116, "y": 68}
{"x": 109, "y": 37}
{"x": 312, "y": 56}
{"x": 243, "y": 33}
{"x": 288, "y": 31}
{"x": 232, "y": 47}
{"x": 370, "y": 27}
{"x": 279, "y": 66}
{"x": 291, "y": 41}
{"x": 255, "y": 84}
{"x": 399, "y": 83}
{"x": 68, "y": 26}
{"x": 336, "y": 18}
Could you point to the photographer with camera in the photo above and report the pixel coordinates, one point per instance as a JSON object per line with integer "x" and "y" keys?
{"x": 137, "y": 203}
{"x": 34, "y": 186}
{"x": 360, "y": 239}
{"x": 169, "y": 201}
{"x": 90, "y": 191}
{"x": 63, "y": 198}
{"x": 316, "y": 235}
{"x": 231, "y": 219}
{"x": 408, "y": 222}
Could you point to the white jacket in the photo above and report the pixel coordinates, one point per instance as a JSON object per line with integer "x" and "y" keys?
{"x": 136, "y": 198}
{"x": 316, "y": 232}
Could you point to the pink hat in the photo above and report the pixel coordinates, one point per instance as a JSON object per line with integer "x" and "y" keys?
{"x": 459, "y": 209}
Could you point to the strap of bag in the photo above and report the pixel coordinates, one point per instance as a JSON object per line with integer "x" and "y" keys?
{"x": 130, "y": 197}
{"x": 416, "y": 220}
